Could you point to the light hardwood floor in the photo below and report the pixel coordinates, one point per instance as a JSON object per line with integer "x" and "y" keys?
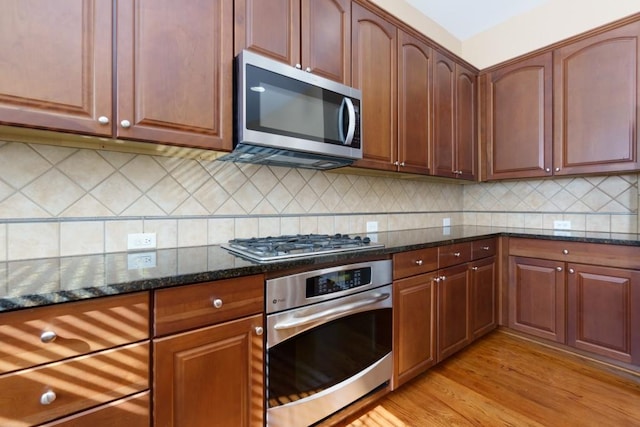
{"x": 503, "y": 380}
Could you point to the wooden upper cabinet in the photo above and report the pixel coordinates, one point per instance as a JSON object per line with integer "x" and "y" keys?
{"x": 454, "y": 119}
{"x": 596, "y": 103}
{"x": 518, "y": 119}
{"x": 374, "y": 47}
{"x": 414, "y": 104}
{"x": 175, "y": 72}
{"x": 55, "y": 65}
{"x": 312, "y": 34}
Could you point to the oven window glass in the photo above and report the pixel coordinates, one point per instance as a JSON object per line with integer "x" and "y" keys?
{"x": 285, "y": 106}
{"x": 327, "y": 355}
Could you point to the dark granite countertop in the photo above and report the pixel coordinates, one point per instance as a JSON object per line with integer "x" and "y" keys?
{"x": 39, "y": 282}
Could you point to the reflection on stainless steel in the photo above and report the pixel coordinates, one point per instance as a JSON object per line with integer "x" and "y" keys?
{"x": 300, "y": 245}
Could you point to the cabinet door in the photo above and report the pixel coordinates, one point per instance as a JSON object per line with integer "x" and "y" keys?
{"x": 374, "y": 73}
{"x": 453, "y": 310}
{"x": 466, "y": 123}
{"x": 484, "y": 309}
{"x": 270, "y": 28}
{"x": 414, "y": 105}
{"x": 326, "y": 38}
{"x": 596, "y": 103}
{"x": 212, "y": 373}
{"x": 537, "y": 297}
{"x": 519, "y": 119}
{"x": 414, "y": 313}
{"x": 175, "y": 72}
{"x": 55, "y": 65}
{"x": 604, "y": 311}
{"x": 444, "y": 83}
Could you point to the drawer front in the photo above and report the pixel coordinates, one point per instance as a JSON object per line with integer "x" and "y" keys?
{"x": 194, "y": 306}
{"x": 47, "y": 334}
{"x": 579, "y": 252}
{"x": 411, "y": 263}
{"x": 454, "y": 254}
{"x": 73, "y": 385}
{"x": 131, "y": 411}
{"x": 483, "y": 248}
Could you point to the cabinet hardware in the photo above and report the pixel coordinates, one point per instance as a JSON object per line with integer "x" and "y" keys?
{"x": 308, "y": 69}
{"x": 259, "y": 330}
{"x": 48, "y": 336}
{"x": 456, "y": 254}
{"x": 48, "y": 397}
{"x": 558, "y": 268}
{"x": 443, "y": 277}
{"x": 565, "y": 251}
{"x": 395, "y": 163}
{"x": 547, "y": 170}
{"x": 557, "y": 169}
{"x": 485, "y": 248}
{"x": 298, "y": 66}
{"x": 419, "y": 262}
{"x": 571, "y": 270}
{"x": 217, "y": 303}
{"x": 474, "y": 268}
{"x": 103, "y": 120}
{"x": 402, "y": 164}
{"x": 125, "y": 124}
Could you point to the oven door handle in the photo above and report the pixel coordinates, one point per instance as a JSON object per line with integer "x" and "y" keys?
{"x": 331, "y": 313}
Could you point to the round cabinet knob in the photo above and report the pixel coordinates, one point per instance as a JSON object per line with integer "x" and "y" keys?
{"x": 547, "y": 170}
{"x": 456, "y": 254}
{"x": 402, "y": 164}
{"x": 298, "y": 66}
{"x": 308, "y": 69}
{"x": 103, "y": 120}
{"x": 436, "y": 279}
{"x": 557, "y": 169}
{"x": 419, "y": 262}
{"x": 485, "y": 248}
{"x": 125, "y": 124}
{"x": 395, "y": 163}
{"x": 565, "y": 251}
{"x": 443, "y": 277}
{"x": 48, "y": 336}
{"x": 48, "y": 397}
{"x": 259, "y": 331}
{"x": 474, "y": 268}
{"x": 217, "y": 303}
{"x": 571, "y": 270}
{"x": 558, "y": 268}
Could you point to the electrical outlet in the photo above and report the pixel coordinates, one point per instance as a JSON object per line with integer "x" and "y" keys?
{"x": 141, "y": 241}
{"x": 372, "y": 226}
{"x": 446, "y": 222}
{"x": 562, "y": 225}
{"x": 141, "y": 260}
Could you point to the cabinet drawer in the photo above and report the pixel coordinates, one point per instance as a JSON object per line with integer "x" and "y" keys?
{"x": 579, "y": 252}
{"x": 47, "y": 334}
{"x": 131, "y": 411}
{"x": 203, "y": 304}
{"x": 483, "y": 248}
{"x": 73, "y": 385}
{"x": 454, "y": 254}
{"x": 410, "y": 263}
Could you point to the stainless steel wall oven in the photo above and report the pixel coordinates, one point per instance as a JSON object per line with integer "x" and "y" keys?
{"x": 329, "y": 340}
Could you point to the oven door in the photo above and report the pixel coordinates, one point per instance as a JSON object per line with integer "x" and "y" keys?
{"x": 322, "y": 357}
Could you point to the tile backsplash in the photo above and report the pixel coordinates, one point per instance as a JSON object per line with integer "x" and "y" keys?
{"x": 60, "y": 201}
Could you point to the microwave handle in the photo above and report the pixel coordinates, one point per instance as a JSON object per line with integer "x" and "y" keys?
{"x": 352, "y": 121}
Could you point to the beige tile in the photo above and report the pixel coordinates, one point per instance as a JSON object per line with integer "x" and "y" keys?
{"x": 246, "y": 227}
{"x": 499, "y": 219}
{"x": 598, "y": 223}
{"x": 86, "y": 168}
{"x": 3, "y": 242}
{"x": 192, "y": 232}
{"x": 516, "y": 220}
{"x": 309, "y": 225}
{"x": 27, "y": 277}
{"x": 290, "y": 225}
{"x": 220, "y": 230}
{"x": 269, "y": 226}
{"x": 33, "y": 240}
{"x": 548, "y": 219}
{"x": 578, "y": 221}
{"x": 116, "y": 234}
{"x": 116, "y": 193}
{"x": 166, "y": 232}
{"x": 533, "y": 220}
{"x": 326, "y": 224}
{"x": 143, "y": 171}
{"x": 341, "y": 224}
{"x": 483, "y": 218}
{"x": 469, "y": 218}
{"x": 81, "y": 237}
{"x": 624, "y": 224}
{"x": 20, "y": 164}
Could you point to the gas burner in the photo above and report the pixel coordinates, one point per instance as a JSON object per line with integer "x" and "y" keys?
{"x": 299, "y": 245}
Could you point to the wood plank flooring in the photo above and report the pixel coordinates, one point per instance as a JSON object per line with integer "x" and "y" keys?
{"x": 503, "y": 380}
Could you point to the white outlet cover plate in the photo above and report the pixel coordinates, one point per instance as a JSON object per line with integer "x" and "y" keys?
{"x": 141, "y": 241}
{"x": 562, "y": 225}
{"x": 141, "y": 260}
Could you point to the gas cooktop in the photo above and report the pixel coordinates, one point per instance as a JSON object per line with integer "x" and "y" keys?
{"x": 264, "y": 249}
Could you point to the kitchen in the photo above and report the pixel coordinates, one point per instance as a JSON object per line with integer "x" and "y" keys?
{"x": 65, "y": 199}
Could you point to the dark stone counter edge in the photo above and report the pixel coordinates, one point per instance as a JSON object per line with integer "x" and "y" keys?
{"x": 64, "y": 296}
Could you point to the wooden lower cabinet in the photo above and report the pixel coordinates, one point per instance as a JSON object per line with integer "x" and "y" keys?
{"x": 212, "y": 376}
{"x": 453, "y": 310}
{"x": 414, "y": 318}
{"x": 537, "y": 297}
{"x": 484, "y": 309}
{"x": 604, "y": 311}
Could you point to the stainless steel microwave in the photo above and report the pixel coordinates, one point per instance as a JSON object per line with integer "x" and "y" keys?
{"x": 285, "y": 116}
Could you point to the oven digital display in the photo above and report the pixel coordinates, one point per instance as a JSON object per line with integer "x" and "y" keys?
{"x": 337, "y": 281}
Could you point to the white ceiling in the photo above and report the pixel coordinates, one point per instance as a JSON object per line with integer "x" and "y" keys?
{"x": 466, "y": 18}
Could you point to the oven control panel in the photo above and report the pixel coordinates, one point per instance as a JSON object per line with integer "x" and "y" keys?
{"x": 337, "y": 281}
